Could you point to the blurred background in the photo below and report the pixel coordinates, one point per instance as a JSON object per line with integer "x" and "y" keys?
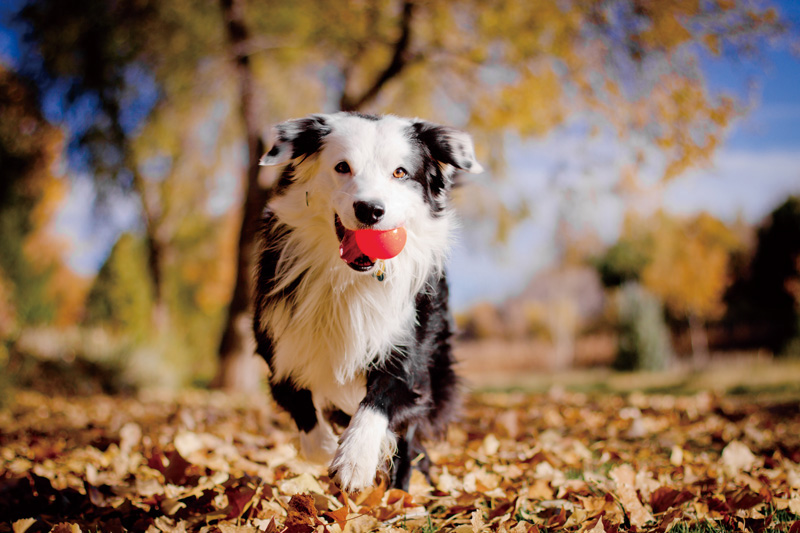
{"x": 640, "y": 209}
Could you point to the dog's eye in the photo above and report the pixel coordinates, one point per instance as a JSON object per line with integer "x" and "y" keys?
{"x": 342, "y": 168}
{"x": 399, "y": 172}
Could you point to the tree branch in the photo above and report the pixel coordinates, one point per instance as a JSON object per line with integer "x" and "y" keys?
{"x": 400, "y": 60}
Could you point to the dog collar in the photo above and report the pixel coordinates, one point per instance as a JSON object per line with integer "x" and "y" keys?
{"x": 380, "y": 272}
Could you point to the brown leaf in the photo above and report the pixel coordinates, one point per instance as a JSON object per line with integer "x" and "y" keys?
{"x": 372, "y": 497}
{"x": 66, "y": 528}
{"x": 664, "y": 498}
{"x": 175, "y": 472}
{"x": 598, "y": 527}
{"x": 397, "y": 495}
{"x": 558, "y": 520}
{"x": 743, "y": 498}
{"x": 302, "y": 516}
{"x": 339, "y": 515}
{"x": 239, "y": 499}
{"x": 666, "y": 521}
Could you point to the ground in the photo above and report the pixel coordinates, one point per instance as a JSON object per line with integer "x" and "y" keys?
{"x": 517, "y": 461}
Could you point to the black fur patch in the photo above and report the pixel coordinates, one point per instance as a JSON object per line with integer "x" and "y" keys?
{"x": 306, "y": 136}
{"x": 298, "y": 402}
{"x": 286, "y": 179}
{"x": 428, "y": 173}
{"x": 435, "y": 138}
{"x": 265, "y": 278}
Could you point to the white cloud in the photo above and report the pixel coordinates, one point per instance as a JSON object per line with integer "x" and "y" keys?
{"x": 748, "y": 182}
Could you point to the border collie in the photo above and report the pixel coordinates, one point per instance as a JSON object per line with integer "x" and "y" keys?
{"x": 358, "y": 345}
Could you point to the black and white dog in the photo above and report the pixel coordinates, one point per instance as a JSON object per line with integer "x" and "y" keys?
{"x": 347, "y": 348}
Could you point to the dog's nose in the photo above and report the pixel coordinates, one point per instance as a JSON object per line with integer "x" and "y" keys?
{"x": 369, "y": 212}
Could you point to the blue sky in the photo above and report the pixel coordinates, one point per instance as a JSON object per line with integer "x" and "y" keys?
{"x": 756, "y": 168}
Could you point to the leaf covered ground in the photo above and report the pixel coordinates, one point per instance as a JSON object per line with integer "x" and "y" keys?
{"x": 561, "y": 461}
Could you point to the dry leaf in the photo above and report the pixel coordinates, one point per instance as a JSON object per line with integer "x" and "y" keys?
{"x": 22, "y": 525}
{"x": 361, "y": 524}
{"x": 303, "y": 483}
{"x": 555, "y": 477}
{"x": 476, "y": 521}
{"x": 737, "y": 457}
{"x": 625, "y": 479}
{"x": 598, "y": 528}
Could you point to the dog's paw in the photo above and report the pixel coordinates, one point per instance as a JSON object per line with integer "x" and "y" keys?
{"x": 364, "y": 446}
{"x": 319, "y": 444}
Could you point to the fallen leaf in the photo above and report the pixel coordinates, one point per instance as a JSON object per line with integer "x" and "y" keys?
{"x": 737, "y": 457}
{"x": 339, "y": 515}
{"x": 361, "y": 524}
{"x": 624, "y": 477}
{"x": 299, "y": 484}
{"x": 476, "y": 521}
{"x": 302, "y": 517}
{"x": 598, "y": 527}
{"x": 22, "y": 525}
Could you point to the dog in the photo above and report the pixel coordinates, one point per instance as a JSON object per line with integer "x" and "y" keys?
{"x": 357, "y": 344}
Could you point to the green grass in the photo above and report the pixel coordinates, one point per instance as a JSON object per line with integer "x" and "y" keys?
{"x": 707, "y": 526}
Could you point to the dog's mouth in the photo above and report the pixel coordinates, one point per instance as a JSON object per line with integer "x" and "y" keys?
{"x": 348, "y": 249}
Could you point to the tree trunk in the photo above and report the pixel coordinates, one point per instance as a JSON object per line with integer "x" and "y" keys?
{"x": 239, "y": 368}
{"x": 697, "y": 334}
{"x": 157, "y": 245}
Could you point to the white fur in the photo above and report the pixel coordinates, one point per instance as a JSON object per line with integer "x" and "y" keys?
{"x": 319, "y": 444}
{"x": 365, "y": 445}
{"x": 345, "y": 320}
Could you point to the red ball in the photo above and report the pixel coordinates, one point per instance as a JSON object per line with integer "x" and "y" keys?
{"x": 381, "y": 244}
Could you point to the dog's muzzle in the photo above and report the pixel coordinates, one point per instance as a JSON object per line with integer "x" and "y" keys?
{"x": 348, "y": 249}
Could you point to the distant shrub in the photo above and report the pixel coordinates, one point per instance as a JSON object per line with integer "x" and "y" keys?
{"x": 644, "y": 342}
{"x": 121, "y": 296}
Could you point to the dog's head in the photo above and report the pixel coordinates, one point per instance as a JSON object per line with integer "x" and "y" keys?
{"x": 356, "y": 171}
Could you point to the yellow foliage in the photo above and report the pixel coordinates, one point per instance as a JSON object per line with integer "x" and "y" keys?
{"x": 69, "y": 291}
{"x": 689, "y": 265}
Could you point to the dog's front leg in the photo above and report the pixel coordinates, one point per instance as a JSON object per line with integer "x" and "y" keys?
{"x": 369, "y": 440}
{"x": 365, "y": 445}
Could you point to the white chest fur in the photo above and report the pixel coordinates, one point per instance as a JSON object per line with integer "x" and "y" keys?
{"x": 338, "y": 322}
{"x": 328, "y": 338}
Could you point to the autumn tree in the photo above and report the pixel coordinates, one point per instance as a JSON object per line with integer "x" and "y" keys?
{"x": 690, "y": 271}
{"x": 685, "y": 263}
{"x": 502, "y": 66}
{"x": 488, "y": 66}
{"x": 36, "y": 287}
{"x": 112, "y": 64}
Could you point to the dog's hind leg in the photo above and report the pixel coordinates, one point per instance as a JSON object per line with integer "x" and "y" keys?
{"x": 317, "y": 440}
{"x": 410, "y": 454}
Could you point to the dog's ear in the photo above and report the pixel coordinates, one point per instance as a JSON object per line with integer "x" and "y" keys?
{"x": 295, "y": 138}
{"x": 448, "y": 145}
